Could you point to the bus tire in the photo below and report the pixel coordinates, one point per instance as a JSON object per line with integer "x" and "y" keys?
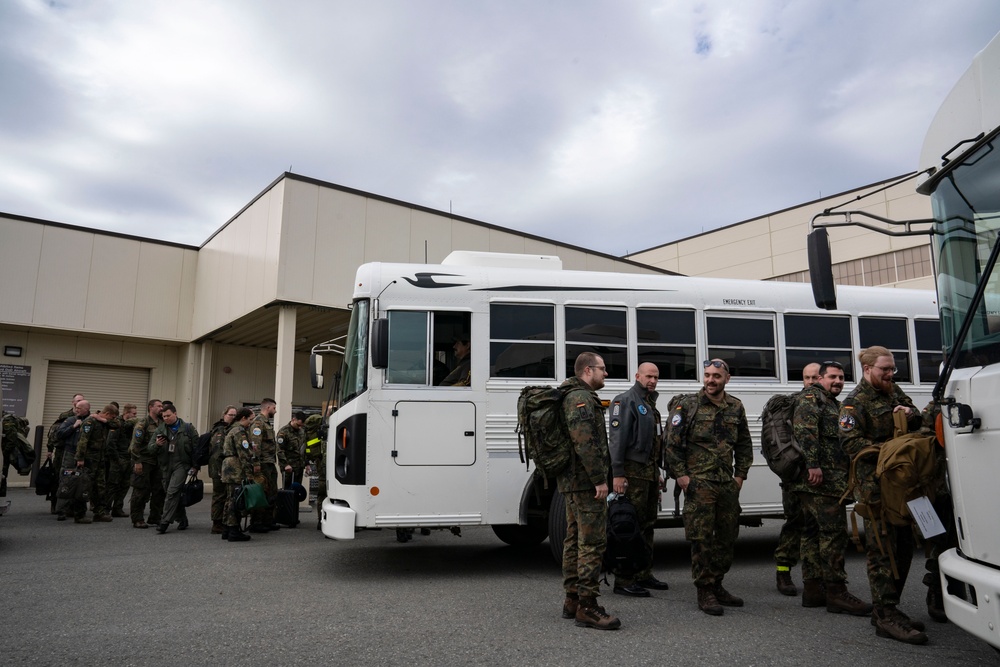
{"x": 557, "y": 526}
{"x": 520, "y": 536}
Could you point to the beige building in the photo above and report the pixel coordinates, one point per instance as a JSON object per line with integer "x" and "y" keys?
{"x": 773, "y": 246}
{"x": 124, "y": 318}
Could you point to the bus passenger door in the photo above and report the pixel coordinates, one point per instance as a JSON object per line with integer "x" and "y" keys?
{"x": 434, "y": 433}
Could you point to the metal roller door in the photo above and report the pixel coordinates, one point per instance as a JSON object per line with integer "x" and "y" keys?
{"x": 99, "y": 384}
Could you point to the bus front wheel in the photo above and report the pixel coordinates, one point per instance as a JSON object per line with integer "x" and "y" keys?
{"x": 557, "y": 526}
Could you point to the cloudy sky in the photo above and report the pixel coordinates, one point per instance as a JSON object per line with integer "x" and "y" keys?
{"x": 616, "y": 124}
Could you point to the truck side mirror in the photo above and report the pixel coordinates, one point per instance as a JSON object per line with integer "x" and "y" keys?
{"x": 380, "y": 343}
{"x": 316, "y": 370}
{"x": 821, "y": 269}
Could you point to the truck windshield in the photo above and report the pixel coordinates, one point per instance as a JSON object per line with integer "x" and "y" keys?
{"x": 355, "y": 370}
{"x": 966, "y": 206}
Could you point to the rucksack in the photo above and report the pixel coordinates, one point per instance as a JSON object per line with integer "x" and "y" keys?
{"x": 777, "y": 440}
{"x": 905, "y": 469}
{"x": 541, "y": 430}
{"x": 203, "y": 450}
{"x": 626, "y": 550}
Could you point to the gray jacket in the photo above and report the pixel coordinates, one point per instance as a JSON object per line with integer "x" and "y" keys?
{"x": 635, "y": 428}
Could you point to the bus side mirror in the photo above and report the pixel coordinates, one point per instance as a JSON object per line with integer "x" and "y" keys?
{"x": 380, "y": 343}
{"x": 821, "y": 269}
{"x": 316, "y": 370}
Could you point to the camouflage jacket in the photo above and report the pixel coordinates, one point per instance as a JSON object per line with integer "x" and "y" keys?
{"x": 866, "y": 419}
{"x": 262, "y": 440}
{"x": 814, "y": 424}
{"x": 717, "y": 437}
{"x": 590, "y": 462}
{"x": 142, "y": 434}
{"x": 291, "y": 447}
{"x": 635, "y": 434}
{"x": 238, "y": 458}
{"x": 219, "y": 430}
{"x": 93, "y": 438}
{"x": 178, "y": 452}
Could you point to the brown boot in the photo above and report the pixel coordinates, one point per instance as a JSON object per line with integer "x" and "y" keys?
{"x": 812, "y": 593}
{"x": 570, "y": 605}
{"x": 785, "y": 585}
{"x": 888, "y": 623}
{"x": 590, "y": 615}
{"x": 708, "y": 603}
{"x": 935, "y": 597}
{"x": 725, "y": 598}
{"x": 840, "y": 601}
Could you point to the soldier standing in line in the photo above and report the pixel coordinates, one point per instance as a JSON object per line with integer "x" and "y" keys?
{"x": 584, "y": 485}
{"x": 239, "y": 464}
{"x": 69, "y": 434}
{"x": 866, "y": 419}
{"x": 147, "y": 480}
{"x": 90, "y": 453}
{"x": 634, "y": 441}
{"x": 219, "y": 490}
{"x": 265, "y": 449}
{"x": 701, "y": 456}
{"x": 55, "y": 445}
{"x": 119, "y": 463}
{"x": 788, "y": 551}
{"x": 824, "y": 536}
{"x": 173, "y": 444}
{"x": 292, "y": 446}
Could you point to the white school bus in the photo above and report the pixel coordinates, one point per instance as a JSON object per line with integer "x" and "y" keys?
{"x": 406, "y": 451}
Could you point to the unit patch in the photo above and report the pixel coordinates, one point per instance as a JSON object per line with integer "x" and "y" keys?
{"x": 86, "y": 428}
{"x": 256, "y": 430}
{"x": 281, "y": 441}
{"x": 676, "y": 419}
{"x": 137, "y": 433}
{"x": 642, "y": 409}
{"x": 615, "y": 423}
{"x": 847, "y": 422}
{"x": 246, "y": 445}
{"x": 616, "y": 411}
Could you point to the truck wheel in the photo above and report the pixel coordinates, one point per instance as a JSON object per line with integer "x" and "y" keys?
{"x": 557, "y": 526}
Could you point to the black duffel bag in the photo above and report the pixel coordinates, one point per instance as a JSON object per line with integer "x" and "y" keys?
{"x": 193, "y": 492}
{"x": 45, "y": 479}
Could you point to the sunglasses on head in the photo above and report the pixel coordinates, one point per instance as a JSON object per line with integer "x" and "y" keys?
{"x": 716, "y": 363}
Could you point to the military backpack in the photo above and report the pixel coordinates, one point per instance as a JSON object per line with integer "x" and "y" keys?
{"x": 626, "y": 551}
{"x": 542, "y": 436}
{"x": 777, "y": 440}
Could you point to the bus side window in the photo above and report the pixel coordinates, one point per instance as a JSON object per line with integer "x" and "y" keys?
{"x": 522, "y": 340}
{"x": 599, "y": 329}
{"x": 407, "y": 348}
{"x": 667, "y": 339}
{"x": 451, "y": 353}
{"x": 889, "y": 332}
{"x": 815, "y": 339}
{"x": 929, "y": 356}
{"x": 745, "y": 343}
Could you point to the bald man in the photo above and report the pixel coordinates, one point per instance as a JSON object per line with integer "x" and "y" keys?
{"x": 634, "y": 440}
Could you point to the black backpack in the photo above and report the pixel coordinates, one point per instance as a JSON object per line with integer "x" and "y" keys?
{"x": 203, "y": 450}
{"x": 626, "y": 550}
{"x": 777, "y": 441}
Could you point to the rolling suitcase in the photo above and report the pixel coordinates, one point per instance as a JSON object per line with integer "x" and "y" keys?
{"x": 287, "y": 505}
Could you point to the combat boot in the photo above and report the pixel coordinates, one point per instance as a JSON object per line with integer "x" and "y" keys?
{"x": 708, "y": 603}
{"x": 812, "y": 593}
{"x": 784, "y": 582}
{"x": 935, "y": 597}
{"x": 590, "y": 615}
{"x": 83, "y": 519}
{"x": 889, "y": 623}
{"x": 217, "y": 528}
{"x": 840, "y": 601}
{"x": 725, "y": 598}
{"x": 570, "y": 605}
{"x": 103, "y": 518}
{"x": 237, "y": 535}
{"x": 225, "y": 532}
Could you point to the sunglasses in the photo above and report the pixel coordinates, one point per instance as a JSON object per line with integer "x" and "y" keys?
{"x": 716, "y": 363}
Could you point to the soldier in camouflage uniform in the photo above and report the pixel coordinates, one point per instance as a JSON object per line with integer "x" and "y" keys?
{"x": 866, "y": 419}
{"x": 634, "y": 441}
{"x": 55, "y": 446}
{"x": 584, "y": 486}
{"x": 708, "y": 433}
{"x": 219, "y": 490}
{"x": 90, "y": 453}
{"x": 239, "y": 464}
{"x": 824, "y": 538}
{"x": 119, "y": 462}
{"x": 147, "y": 480}
{"x": 266, "y": 451}
{"x": 292, "y": 446}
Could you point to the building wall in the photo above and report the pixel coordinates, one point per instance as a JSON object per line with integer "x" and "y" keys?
{"x": 774, "y": 245}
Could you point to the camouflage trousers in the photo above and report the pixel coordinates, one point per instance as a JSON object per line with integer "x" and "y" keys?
{"x": 220, "y": 493}
{"x": 711, "y": 525}
{"x": 645, "y": 495}
{"x": 790, "y": 540}
{"x": 824, "y": 538}
{"x": 897, "y": 540}
{"x": 230, "y": 517}
{"x": 586, "y": 540}
{"x": 173, "y": 490}
{"x": 147, "y": 487}
{"x": 119, "y": 481}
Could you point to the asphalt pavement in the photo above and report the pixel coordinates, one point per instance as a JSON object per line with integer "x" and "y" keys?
{"x": 108, "y": 594}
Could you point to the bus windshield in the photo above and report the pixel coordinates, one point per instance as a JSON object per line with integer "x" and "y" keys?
{"x": 966, "y": 206}
{"x": 355, "y": 370}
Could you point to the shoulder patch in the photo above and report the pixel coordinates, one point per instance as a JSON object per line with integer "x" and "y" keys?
{"x": 137, "y": 433}
{"x": 677, "y": 419}
{"x": 256, "y": 430}
{"x": 246, "y": 445}
{"x": 642, "y": 409}
{"x": 86, "y": 428}
{"x": 616, "y": 410}
{"x": 615, "y": 423}
{"x": 280, "y": 440}
{"x": 847, "y": 422}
